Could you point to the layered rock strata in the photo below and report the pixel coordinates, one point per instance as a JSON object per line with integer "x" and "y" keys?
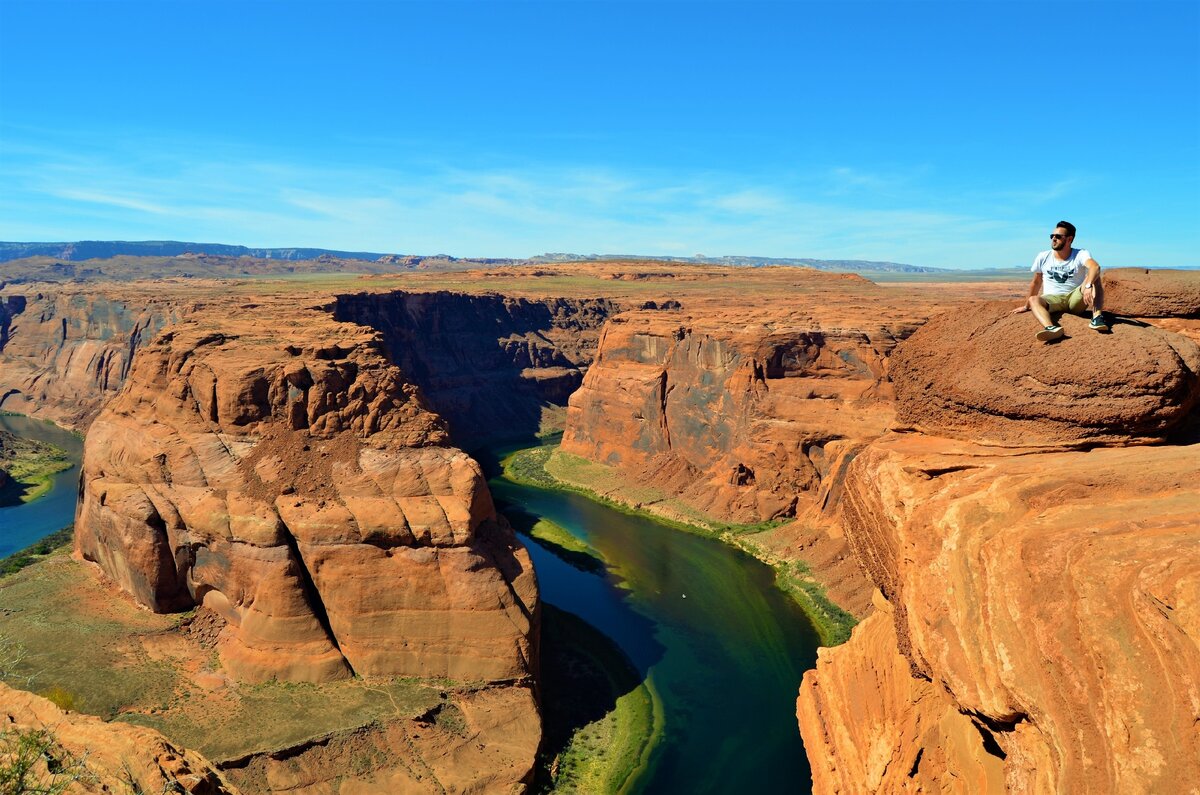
{"x": 1043, "y": 601}
{"x": 486, "y": 363}
{"x": 85, "y": 754}
{"x": 65, "y": 352}
{"x": 281, "y": 472}
{"x": 745, "y": 421}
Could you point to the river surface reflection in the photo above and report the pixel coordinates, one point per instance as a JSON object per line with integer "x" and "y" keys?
{"x": 724, "y": 647}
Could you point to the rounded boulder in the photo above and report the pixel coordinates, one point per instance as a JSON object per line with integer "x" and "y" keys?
{"x": 979, "y": 373}
{"x": 1142, "y": 292}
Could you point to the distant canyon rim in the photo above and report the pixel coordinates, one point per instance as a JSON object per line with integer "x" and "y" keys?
{"x": 1013, "y": 524}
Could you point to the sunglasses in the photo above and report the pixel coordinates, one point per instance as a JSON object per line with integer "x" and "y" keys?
{"x": 1058, "y": 237}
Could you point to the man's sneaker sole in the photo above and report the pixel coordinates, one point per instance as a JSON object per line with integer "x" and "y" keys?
{"x": 1047, "y": 334}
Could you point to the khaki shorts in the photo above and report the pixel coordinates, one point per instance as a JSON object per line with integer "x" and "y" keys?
{"x": 1073, "y": 302}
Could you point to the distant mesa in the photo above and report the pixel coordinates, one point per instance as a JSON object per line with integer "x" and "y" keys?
{"x": 100, "y": 249}
{"x": 978, "y": 373}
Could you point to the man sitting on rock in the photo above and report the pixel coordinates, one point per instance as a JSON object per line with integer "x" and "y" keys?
{"x": 1065, "y": 279}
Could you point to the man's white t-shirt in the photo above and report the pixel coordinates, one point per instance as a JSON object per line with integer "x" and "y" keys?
{"x": 1061, "y": 277}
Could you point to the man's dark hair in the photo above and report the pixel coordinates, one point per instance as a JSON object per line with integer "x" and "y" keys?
{"x": 1067, "y": 225}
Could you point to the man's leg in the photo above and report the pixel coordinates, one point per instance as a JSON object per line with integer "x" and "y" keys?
{"x": 1076, "y": 305}
{"x": 1041, "y": 310}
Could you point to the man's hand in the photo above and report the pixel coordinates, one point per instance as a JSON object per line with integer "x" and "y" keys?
{"x": 1020, "y": 309}
{"x": 1089, "y": 296}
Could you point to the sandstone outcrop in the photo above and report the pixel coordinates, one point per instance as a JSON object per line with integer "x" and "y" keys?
{"x": 269, "y": 463}
{"x": 1038, "y": 617}
{"x": 102, "y": 756}
{"x": 1052, "y": 597}
{"x": 978, "y": 373}
{"x": 741, "y": 420}
{"x": 64, "y": 352}
{"x": 1143, "y": 292}
{"x": 477, "y": 742}
{"x": 869, "y": 725}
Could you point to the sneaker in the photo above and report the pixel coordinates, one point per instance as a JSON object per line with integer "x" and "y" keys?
{"x": 1050, "y": 333}
{"x": 1099, "y": 323}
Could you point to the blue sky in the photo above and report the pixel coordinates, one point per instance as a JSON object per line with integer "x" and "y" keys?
{"x": 944, "y": 134}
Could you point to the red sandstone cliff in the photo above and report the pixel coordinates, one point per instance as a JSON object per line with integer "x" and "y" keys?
{"x": 1039, "y": 619}
{"x": 282, "y": 473}
{"x": 65, "y": 351}
{"x": 749, "y": 415}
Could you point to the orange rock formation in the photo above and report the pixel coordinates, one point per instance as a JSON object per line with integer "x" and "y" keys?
{"x": 1044, "y": 601}
{"x": 102, "y": 756}
{"x": 282, "y": 473}
{"x": 65, "y": 351}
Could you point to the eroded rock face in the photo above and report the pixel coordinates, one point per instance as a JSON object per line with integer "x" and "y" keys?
{"x": 741, "y": 420}
{"x": 64, "y": 353}
{"x": 486, "y": 363}
{"x": 107, "y": 756}
{"x": 978, "y": 373}
{"x": 869, "y": 725}
{"x": 1052, "y": 597}
{"x": 283, "y": 473}
{"x": 1142, "y": 292}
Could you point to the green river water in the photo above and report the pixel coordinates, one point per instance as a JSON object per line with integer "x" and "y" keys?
{"x": 703, "y": 622}
{"x": 700, "y": 621}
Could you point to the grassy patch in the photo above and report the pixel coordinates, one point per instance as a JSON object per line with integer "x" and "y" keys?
{"x": 602, "y": 720}
{"x": 32, "y": 466}
{"x": 276, "y": 715}
{"x": 549, "y": 468}
{"x": 528, "y": 467}
{"x": 833, "y": 624}
{"x": 35, "y": 552}
{"x": 73, "y": 639}
{"x": 559, "y": 536}
{"x": 75, "y": 636}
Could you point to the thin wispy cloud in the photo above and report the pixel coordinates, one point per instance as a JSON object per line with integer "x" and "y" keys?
{"x": 126, "y": 202}
{"x": 446, "y": 208}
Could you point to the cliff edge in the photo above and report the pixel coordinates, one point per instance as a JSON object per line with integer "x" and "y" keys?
{"x": 1039, "y": 611}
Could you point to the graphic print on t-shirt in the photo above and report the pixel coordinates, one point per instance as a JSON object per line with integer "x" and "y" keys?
{"x": 1061, "y": 273}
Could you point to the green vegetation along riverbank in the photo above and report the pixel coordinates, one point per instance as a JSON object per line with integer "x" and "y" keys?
{"x": 602, "y": 719}
{"x": 27, "y": 468}
{"x": 36, "y": 552}
{"x": 548, "y": 467}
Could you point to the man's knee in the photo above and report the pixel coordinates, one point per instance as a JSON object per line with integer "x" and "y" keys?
{"x": 1036, "y": 301}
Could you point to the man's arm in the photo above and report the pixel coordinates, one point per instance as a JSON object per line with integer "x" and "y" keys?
{"x": 1091, "y": 283}
{"x": 1035, "y": 288}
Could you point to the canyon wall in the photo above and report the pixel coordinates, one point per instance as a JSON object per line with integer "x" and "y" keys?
{"x": 487, "y": 363}
{"x": 745, "y": 421}
{"x": 282, "y": 473}
{"x": 746, "y": 416}
{"x": 1031, "y": 529}
{"x": 64, "y": 352}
